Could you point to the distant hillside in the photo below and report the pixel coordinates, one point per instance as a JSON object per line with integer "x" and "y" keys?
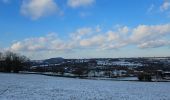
{"x": 54, "y": 60}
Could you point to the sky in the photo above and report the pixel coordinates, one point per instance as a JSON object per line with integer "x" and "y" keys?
{"x": 43, "y": 29}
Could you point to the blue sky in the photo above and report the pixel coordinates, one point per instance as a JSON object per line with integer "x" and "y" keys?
{"x": 85, "y": 28}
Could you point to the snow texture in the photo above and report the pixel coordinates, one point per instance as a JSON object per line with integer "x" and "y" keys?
{"x": 40, "y": 87}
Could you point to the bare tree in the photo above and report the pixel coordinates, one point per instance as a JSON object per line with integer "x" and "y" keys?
{"x": 14, "y": 62}
{"x": 1, "y": 55}
{"x": 1, "y": 62}
{"x": 80, "y": 71}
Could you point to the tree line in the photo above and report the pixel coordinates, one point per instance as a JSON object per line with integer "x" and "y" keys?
{"x": 12, "y": 62}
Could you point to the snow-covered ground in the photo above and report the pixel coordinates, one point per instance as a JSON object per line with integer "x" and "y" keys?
{"x": 40, "y": 87}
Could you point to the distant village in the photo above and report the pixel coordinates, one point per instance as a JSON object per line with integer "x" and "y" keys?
{"x": 145, "y": 68}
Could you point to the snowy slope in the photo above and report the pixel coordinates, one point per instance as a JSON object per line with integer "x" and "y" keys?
{"x": 39, "y": 87}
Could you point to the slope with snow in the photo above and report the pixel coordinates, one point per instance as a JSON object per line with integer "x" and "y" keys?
{"x": 39, "y": 87}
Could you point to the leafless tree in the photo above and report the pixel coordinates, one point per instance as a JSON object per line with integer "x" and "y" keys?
{"x": 1, "y": 55}
{"x": 14, "y": 62}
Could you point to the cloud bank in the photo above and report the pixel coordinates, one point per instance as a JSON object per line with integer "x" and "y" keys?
{"x": 142, "y": 36}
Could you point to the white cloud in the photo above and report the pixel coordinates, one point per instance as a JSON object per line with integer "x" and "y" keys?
{"x": 98, "y": 28}
{"x": 38, "y": 8}
{"x": 80, "y": 3}
{"x": 104, "y": 40}
{"x": 123, "y": 30}
{"x": 94, "y": 37}
{"x": 112, "y": 36}
{"x": 149, "y": 32}
{"x": 150, "y": 9}
{"x": 50, "y": 43}
{"x": 114, "y": 46}
{"x": 165, "y": 6}
{"x": 81, "y": 32}
{"x": 84, "y": 31}
{"x": 142, "y": 36}
{"x": 154, "y": 44}
{"x": 17, "y": 46}
{"x": 97, "y": 40}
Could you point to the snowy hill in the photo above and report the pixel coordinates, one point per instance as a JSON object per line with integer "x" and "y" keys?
{"x": 39, "y": 87}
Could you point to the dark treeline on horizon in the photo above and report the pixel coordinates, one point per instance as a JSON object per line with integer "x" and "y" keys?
{"x": 12, "y": 62}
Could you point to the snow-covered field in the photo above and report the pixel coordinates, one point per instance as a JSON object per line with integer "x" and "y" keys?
{"x": 40, "y": 87}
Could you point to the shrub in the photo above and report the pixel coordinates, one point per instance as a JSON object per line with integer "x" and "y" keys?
{"x": 144, "y": 77}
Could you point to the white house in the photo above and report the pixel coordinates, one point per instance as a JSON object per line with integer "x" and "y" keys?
{"x": 119, "y": 73}
{"x": 94, "y": 73}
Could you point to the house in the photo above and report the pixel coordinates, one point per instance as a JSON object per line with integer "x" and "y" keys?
{"x": 161, "y": 75}
{"x": 120, "y": 63}
{"x": 157, "y": 75}
{"x": 166, "y": 75}
{"x": 92, "y": 63}
{"x": 95, "y": 73}
{"x": 119, "y": 73}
